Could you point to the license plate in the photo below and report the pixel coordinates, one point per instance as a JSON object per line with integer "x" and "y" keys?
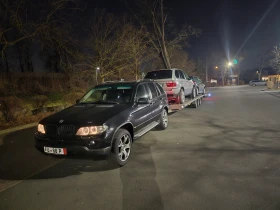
{"x": 56, "y": 151}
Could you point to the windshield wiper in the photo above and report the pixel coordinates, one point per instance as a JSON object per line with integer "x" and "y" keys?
{"x": 106, "y": 102}
{"x": 99, "y": 102}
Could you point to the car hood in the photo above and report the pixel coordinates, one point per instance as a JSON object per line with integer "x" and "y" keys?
{"x": 83, "y": 114}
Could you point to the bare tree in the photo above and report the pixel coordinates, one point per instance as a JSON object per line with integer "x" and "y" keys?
{"x": 117, "y": 46}
{"x": 106, "y": 46}
{"x": 16, "y": 26}
{"x": 181, "y": 59}
{"x": 275, "y": 61}
{"x": 159, "y": 38}
{"x": 137, "y": 45}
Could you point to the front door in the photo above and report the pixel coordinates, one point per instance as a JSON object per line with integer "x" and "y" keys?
{"x": 142, "y": 113}
{"x": 156, "y": 101}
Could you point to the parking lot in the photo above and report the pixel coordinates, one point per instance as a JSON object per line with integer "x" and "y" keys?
{"x": 221, "y": 155}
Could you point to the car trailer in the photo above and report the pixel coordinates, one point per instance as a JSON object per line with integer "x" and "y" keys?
{"x": 194, "y": 103}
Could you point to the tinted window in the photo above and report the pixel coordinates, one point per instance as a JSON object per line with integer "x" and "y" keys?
{"x": 162, "y": 74}
{"x": 117, "y": 93}
{"x": 141, "y": 92}
{"x": 177, "y": 74}
{"x": 185, "y": 74}
{"x": 160, "y": 88}
{"x": 153, "y": 90}
{"x": 182, "y": 76}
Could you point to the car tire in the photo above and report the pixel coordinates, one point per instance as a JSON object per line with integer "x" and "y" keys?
{"x": 182, "y": 97}
{"x": 193, "y": 93}
{"x": 163, "y": 120}
{"x": 121, "y": 148}
{"x": 195, "y": 104}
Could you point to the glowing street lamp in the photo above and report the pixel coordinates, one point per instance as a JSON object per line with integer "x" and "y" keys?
{"x": 97, "y": 69}
{"x": 216, "y": 67}
{"x": 229, "y": 64}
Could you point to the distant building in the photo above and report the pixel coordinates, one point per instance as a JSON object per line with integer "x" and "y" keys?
{"x": 272, "y": 81}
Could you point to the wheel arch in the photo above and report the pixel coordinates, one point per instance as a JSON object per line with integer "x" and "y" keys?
{"x": 127, "y": 126}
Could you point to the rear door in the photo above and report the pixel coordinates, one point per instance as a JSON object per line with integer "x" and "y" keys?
{"x": 180, "y": 79}
{"x": 189, "y": 83}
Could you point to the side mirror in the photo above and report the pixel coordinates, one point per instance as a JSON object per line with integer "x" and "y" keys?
{"x": 143, "y": 100}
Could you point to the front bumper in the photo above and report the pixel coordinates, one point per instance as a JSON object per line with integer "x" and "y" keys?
{"x": 74, "y": 145}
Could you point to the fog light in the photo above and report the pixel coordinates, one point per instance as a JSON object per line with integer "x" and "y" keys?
{"x": 92, "y": 142}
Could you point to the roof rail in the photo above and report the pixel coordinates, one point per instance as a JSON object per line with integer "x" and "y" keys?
{"x": 122, "y": 80}
{"x": 145, "y": 80}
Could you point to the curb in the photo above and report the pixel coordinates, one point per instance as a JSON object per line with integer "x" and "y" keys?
{"x": 271, "y": 91}
{"x": 18, "y": 128}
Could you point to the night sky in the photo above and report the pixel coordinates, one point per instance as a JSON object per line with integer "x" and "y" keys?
{"x": 225, "y": 24}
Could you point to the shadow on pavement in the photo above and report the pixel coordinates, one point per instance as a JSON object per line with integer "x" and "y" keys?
{"x": 19, "y": 160}
{"x": 140, "y": 189}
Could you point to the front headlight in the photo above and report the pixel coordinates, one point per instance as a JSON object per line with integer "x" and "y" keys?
{"x": 41, "y": 128}
{"x": 91, "y": 130}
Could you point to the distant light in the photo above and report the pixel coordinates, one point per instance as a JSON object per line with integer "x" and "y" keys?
{"x": 97, "y": 68}
{"x": 209, "y": 94}
{"x": 229, "y": 64}
{"x": 216, "y": 67}
{"x": 235, "y": 61}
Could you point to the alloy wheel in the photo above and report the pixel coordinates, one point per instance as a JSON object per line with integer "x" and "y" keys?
{"x": 164, "y": 118}
{"x": 124, "y": 147}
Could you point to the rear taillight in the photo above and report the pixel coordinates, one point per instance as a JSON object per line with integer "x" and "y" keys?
{"x": 171, "y": 84}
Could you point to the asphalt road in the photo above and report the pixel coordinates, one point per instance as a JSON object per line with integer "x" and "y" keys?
{"x": 222, "y": 155}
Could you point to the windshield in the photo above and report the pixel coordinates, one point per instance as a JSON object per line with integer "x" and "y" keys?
{"x": 163, "y": 74}
{"x": 115, "y": 94}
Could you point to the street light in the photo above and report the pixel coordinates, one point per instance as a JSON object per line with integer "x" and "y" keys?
{"x": 97, "y": 69}
{"x": 229, "y": 64}
{"x": 216, "y": 67}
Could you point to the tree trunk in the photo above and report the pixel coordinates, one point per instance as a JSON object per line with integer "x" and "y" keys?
{"x": 21, "y": 65}
{"x": 6, "y": 61}
{"x": 165, "y": 56}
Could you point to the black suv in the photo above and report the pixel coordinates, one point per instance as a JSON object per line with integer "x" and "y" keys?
{"x": 105, "y": 120}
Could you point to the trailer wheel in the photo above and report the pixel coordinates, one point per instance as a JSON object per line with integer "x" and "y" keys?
{"x": 195, "y": 104}
{"x": 200, "y": 101}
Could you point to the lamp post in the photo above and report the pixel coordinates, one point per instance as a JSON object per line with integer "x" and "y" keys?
{"x": 96, "y": 73}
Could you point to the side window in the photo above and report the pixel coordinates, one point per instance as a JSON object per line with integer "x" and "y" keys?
{"x": 141, "y": 92}
{"x": 182, "y": 75}
{"x": 185, "y": 74}
{"x": 160, "y": 89}
{"x": 177, "y": 74}
{"x": 153, "y": 90}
